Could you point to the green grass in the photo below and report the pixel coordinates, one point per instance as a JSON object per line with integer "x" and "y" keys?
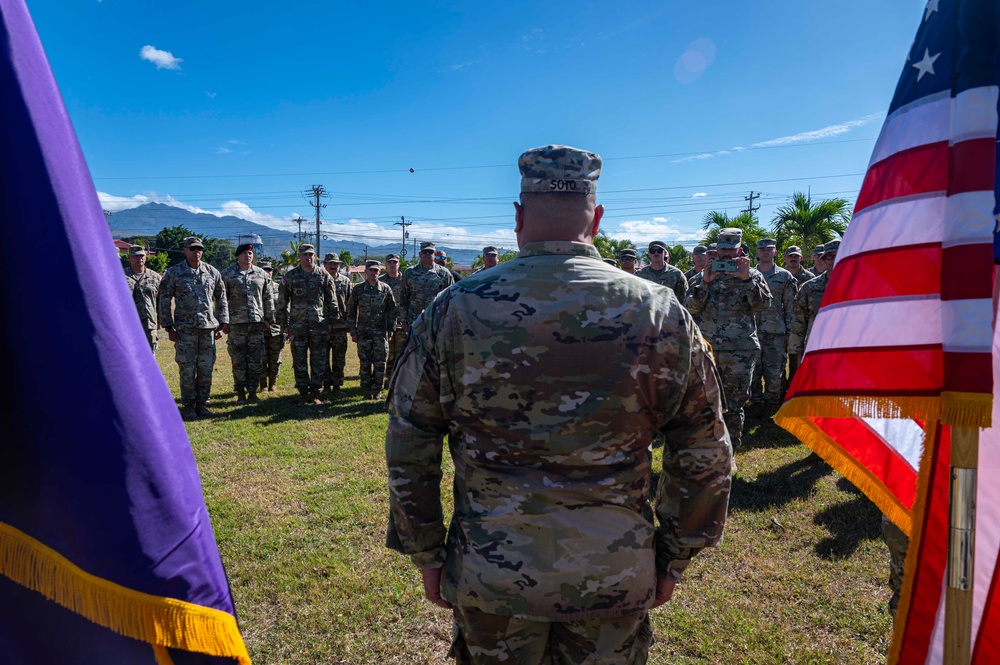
{"x": 298, "y": 501}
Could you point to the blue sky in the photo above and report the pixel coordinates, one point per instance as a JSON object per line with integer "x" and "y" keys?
{"x": 238, "y": 108}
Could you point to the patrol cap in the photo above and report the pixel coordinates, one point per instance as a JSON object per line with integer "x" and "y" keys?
{"x": 793, "y": 250}
{"x": 831, "y": 246}
{"x": 490, "y": 249}
{"x": 265, "y": 265}
{"x": 712, "y": 247}
{"x": 559, "y": 169}
{"x": 730, "y": 238}
{"x": 242, "y": 248}
{"x": 766, "y": 242}
{"x": 372, "y": 263}
{"x": 391, "y": 257}
{"x": 611, "y": 262}
{"x": 331, "y": 257}
{"x": 627, "y": 253}
{"x": 819, "y": 250}
{"x": 699, "y": 250}
{"x": 306, "y": 248}
{"x": 192, "y": 242}
{"x": 656, "y": 243}
{"x": 137, "y": 250}
{"x": 426, "y": 245}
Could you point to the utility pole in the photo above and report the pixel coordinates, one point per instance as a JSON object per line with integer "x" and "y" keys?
{"x": 404, "y": 224}
{"x": 366, "y": 255}
{"x": 299, "y": 220}
{"x": 317, "y": 192}
{"x": 751, "y": 209}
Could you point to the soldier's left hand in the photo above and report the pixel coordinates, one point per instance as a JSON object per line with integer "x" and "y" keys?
{"x": 742, "y": 268}
{"x": 218, "y": 333}
{"x": 224, "y": 329}
{"x": 665, "y": 583}
{"x": 432, "y": 587}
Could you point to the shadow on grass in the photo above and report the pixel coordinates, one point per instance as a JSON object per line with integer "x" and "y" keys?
{"x": 793, "y": 481}
{"x": 763, "y": 433}
{"x": 276, "y": 409}
{"x": 850, "y": 523}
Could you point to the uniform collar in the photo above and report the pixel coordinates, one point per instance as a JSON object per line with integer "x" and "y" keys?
{"x": 562, "y": 247}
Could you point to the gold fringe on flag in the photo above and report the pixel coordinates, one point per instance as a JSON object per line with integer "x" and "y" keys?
{"x": 163, "y": 622}
{"x": 951, "y": 408}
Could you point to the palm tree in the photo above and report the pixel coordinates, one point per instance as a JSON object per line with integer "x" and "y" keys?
{"x": 715, "y": 221}
{"x": 801, "y": 223}
{"x": 610, "y": 248}
{"x": 679, "y": 257}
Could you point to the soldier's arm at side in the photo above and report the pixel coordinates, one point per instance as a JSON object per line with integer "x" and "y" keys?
{"x": 681, "y": 288}
{"x": 163, "y": 299}
{"x": 788, "y": 303}
{"x": 757, "y": 293}
{"x": 391, "y": 313}
{"x": 414, "y": 445}
{"x": 268, "y": 298}
{"x": 800, "y": 315}
{"x": 693, "y": 495}
{"x": 331, "y": 308}
{"x": 404, "y": 303}
{"x": 352, "y": 310}
{"x": 221, "y": 300}
{"x": 282, "y": 305}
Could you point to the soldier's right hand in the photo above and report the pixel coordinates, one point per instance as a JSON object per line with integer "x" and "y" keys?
{"x": 707, "y": 273}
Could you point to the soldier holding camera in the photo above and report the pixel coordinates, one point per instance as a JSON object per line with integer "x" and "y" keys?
{"x": 727, "y": 296}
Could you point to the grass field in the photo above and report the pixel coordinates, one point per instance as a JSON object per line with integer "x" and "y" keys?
{"x": 298, "y": 501}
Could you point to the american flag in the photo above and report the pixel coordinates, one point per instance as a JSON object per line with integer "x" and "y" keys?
{"x": 903, "y": 346}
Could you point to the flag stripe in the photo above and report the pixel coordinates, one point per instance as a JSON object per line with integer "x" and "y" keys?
{"x": 912, "y": 171}
{"x": 924, "y": 121}
{"x": 972, "y": 164}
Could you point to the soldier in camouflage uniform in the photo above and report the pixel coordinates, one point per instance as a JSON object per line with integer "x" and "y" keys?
{"x": 731, "y": 299}
{"x": 420, "y": 284}
{"x": 552, "y": 373}
{"x": 337, "y": 357}
{"x": 699, "y": 256}
{"x": 808, "y": 300}
{"x": 200, "y": 316}
{"x": 793, "y": 264}
{"x": 627, "y": 259}
{"x": 898, "y": 543}
{"x": 145, "y": 286}
{"x": 274, "y": 338}
{"x": 307, "y": 308}
{"x": 818, "y": 264}
{"x": 372, "y": 316}
{"x": 661, "y": 272}
{"x": 773, "y": 327}
{"x": 251, "y": 311}
{"x": 394, "y": 279}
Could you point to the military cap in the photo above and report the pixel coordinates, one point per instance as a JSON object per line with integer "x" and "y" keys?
{"x": 611, "y": 262}
{"x": 700, "y": 249}
{"x": 191, "y": 242}
{"x": 831, "y": 246}
{"x": 730, "y": 238}
{"x": 490, "y": 249}
{"x": 818, "y": 251}
{"x": 137, "y": 250}
{"x": 712, "y": 247}
{"x": 372, "y": 263}
{"x": 766, "y": 242}
{"x": 266, "y": 265}
{"x": 657, "y": 243}
{"x": 331, "y": 257}
{"x": 559, "y": 169}
{"x": 426, "y": 245}
{"x": 242, "y": 248}
{"x": 391, "y": 257}
{"x": 628, "y": 252}
{"x": 306, "y": 248}
{"x": 793, "y": 250}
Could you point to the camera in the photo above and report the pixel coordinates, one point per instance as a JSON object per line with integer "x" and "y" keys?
{"x": 724, "y": 265}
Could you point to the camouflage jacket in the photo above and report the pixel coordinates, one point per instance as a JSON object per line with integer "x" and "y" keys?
{"x": 730, "y": 304}
{"x": 689, "y": 275}
{"x": 199, "y": 297}
{"x": 703, "y": 319}
{"x": 249, "y": 294}
{"x": 342, "y": 290}
{"x": 420, "y": 285}
{"x": 803, "y": 276}
{"x": 145, "y": 287}
{"x": 275, "y": 328}
{"x": 307, "y": 297}
{"x": 670, "y": 277}
{"x": 396, "y": 284}
{"x": 371, "y": 310}
{"x": 807, "y": 304}
{"x": 776, "y": 319}
{"x": 551, "y": 374}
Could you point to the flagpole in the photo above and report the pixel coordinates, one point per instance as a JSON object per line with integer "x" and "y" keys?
{"x": 961, "y": 546}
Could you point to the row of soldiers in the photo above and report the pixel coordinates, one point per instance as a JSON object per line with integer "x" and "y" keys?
{"x": 314, "y": 307}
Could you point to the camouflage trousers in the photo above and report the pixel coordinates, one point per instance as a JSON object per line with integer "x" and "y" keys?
{"x": 337, "y": 359}
{"x": 246, "y": 349}
{"x": 396, "y": 344}
{"x": 195, "y": 356}
{"x": 151, "y": 337}
{"x": 736, "y": 370}
{"x": 480, "y": 638}
{"x": 770, "y": 367}
{"x": 309, "y": 348}
{"x": 273, "y": 344}
{"x": 898, "y": 543}
{"x": 372, "y": 352}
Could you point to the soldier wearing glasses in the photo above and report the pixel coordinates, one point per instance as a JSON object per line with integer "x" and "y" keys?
{"x": 661, "y": 272}
{"x": 421, "y": 283}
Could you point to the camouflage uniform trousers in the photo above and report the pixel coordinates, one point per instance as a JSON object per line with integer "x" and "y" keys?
{"x": 246, "y": 349}
{"x": 396, "y": 344}
{"x": 372, "y": 352}
{"x": 770, "y": 366}
{"x": 898, "y": 544}
{"x": 273, "y": 344}
{"x": 309, "y": 349}
{"x": 337, "y": 359}
{"x": 736, "y": 370}
{"x": 479, "y": 637}
{"x": 151, "y": 337}
{"x": 195, "y": 356}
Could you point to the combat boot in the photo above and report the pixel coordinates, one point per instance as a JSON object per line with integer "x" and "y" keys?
{"x": 304, "y": 397}
{"x": 188, "y": 412}
{"x": 252, "y": 397}
{"x": 263, "y": 384}
{"x": 314, "y": 398}
{"x": 202, "y": 410}
{"x": 270, "y": 384}
{"x": 377, "y": 395}
{"x": 241, "y": 396}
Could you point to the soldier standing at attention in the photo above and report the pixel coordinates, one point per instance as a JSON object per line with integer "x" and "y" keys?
{"x": 699, "y": 256}
{"x": 441, "y": 259}
{"x": 793, "y": 264}
{"x": 732, "y": 298}
{"x": 661, "y": 272}
{"x": 713, "y": 252}
{"x": 274, "y": 339}
{"x": 626, "y": 259}
{"x": 553, "y": 554}
{"x": 200, "y": 316}
{"x": 337, "y": 357}
{"x": 818, "y": 264}
{"x": 145, "y": 286}
{"x": 808, "y": 300}
{"x": 371, "y": 315}
{"x": 394, "y": 279}
{"x": 773, "y": 327}
{"x": 421, "y": 283}
{"x": 251, "y": 311}
{"x": 491, "y": 258}
{"x": 307, "y": 308}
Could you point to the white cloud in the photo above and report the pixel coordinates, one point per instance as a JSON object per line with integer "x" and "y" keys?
{"x": 642, "y": 231}
{"x": 222, "y": 150}
{"x": 162, "y": 59}
{"x": 698, "y": 195}
{"x": 210, "y": 95}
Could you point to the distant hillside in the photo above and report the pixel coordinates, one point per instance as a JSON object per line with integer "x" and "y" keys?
{"x": 150, "y": 218}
